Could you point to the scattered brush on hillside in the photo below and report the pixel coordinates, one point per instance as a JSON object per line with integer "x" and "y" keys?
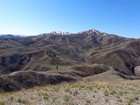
{"x": 85, "y": 71}
{"x": 53, "y": 58}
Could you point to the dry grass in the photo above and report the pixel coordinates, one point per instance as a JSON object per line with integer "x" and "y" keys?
{"x": 79, "y": 93}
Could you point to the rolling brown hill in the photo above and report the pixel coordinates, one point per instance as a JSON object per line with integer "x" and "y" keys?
{"x": 57, "y": 57}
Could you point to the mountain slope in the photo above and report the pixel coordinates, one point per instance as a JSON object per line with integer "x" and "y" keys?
{"x": 58, "y": 52}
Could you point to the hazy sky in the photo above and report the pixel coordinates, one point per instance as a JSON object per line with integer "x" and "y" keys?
{"x": 28, "y": 17}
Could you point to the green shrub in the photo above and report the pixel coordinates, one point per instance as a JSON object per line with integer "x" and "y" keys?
{"x": 23, "y": 101}
{"x": 66, "y": 98}
{"x": 45, "y": 96}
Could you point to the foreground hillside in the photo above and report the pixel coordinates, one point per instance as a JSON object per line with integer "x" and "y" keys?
{"x": 80, "y": 93}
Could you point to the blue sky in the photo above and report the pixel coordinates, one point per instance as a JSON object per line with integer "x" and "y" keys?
{"x": 31, "y": 17}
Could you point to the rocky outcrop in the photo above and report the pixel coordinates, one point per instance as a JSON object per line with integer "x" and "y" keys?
{"x": 137, "y": 71}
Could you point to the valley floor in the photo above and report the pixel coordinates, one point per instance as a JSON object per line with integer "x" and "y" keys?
{"x": 79, "y": 93}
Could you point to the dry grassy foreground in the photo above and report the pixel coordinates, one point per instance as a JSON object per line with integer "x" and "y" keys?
{"x": 80, "y": 93}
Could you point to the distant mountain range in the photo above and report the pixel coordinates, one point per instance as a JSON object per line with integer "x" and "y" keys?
{"x": 10, "y": 36}
{"x": 55, "y": 57}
